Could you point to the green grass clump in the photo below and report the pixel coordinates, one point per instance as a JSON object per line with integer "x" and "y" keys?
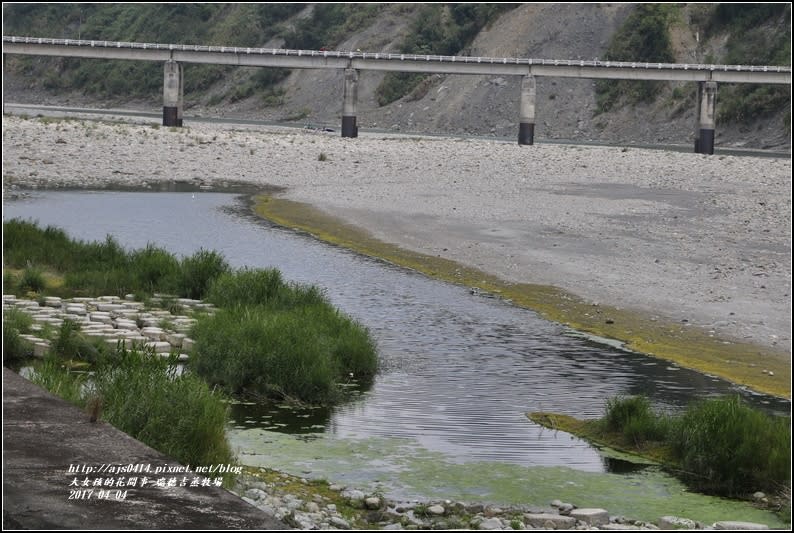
{"x": 300, "y": 354}
{"x": 154, "y": 269}
{"x": 271, "y": 338}
{"x": 718, "y": 446}
{"x": 141, "y": 394}
{"x": 634, "y": 419}
{"x": 199, "y": 271}
{"x": 17, "y": 320}
{"x": 69, "y": 344}
{"x": 105, "y": 267}
{"x": 15, "y": 348}
{"x": 275, "y": 339}
{"x": 729, "y": 448}
{"x": 179, "y": 415}
{"x": 32, "y": 279}
{"x": 53, "y": 376}
{"x": 265, "y": 287}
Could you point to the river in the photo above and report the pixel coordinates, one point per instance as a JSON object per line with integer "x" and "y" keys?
{"x": 445, "y": 417}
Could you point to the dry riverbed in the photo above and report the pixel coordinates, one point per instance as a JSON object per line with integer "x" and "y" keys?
{"x": 698, "y": 242}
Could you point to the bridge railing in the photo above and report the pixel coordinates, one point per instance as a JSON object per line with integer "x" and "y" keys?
{"x": 396, "y": 57}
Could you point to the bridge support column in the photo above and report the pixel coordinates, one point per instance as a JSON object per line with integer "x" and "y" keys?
{"x": 526, "y": 120}
{"x": 173, "y": 90}
{"x": 707, "y": 117}
{"x": 349, "y": 126}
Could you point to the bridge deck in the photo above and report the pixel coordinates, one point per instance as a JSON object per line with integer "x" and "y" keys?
{"x": 271, "y": 57}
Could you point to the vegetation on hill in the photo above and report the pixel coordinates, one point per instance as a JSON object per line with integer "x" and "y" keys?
{"x": 756, "y": 34}
{"x": 643, "y": 37}
{"x": 227, "y": 24}
{"x": 439, "y": 29}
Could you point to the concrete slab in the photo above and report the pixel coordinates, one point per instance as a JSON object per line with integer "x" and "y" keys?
{"x": 43, "y": 435}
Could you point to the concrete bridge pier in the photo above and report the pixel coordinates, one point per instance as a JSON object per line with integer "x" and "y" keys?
{"x": 707, "y": 117}
{"x": 349, "y": 126}
{"x": 173, "y": 91}
{"x": 526, "y": 120}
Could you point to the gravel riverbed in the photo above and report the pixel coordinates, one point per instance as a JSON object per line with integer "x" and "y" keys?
{"x": 687, "y": 237}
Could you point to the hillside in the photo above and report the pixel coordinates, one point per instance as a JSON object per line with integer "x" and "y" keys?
{"x": 566, "y": 109}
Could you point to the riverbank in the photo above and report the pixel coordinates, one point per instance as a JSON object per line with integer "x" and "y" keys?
{"x": 699, "y": 244}
{"x": 49, "y": 447}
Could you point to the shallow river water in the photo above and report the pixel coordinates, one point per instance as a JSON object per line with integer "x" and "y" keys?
{"x": 445, "y": 417}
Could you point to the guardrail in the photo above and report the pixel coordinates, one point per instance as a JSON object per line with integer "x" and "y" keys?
{"x": 396, "y": 57}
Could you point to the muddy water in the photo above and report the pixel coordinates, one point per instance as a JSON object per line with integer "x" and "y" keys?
{"x": 446, "y": 415}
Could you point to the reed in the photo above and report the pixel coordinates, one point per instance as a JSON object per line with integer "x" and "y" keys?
{"x": 302, "y": 353}
{"x": 177, "y": 414}
{"x": 199, "y": 271}
{"x": 726, "y": 447}
{"x": 52, "y": 375}
{"x": 634, "y": 419}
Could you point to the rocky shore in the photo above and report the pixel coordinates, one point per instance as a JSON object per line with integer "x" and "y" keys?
{"x": 314, "y": 505}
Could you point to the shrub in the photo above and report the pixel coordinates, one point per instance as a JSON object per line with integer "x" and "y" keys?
{"x": 728, "y": 448}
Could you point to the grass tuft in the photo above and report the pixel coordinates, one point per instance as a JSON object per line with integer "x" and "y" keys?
{"x": 726, "y": 447}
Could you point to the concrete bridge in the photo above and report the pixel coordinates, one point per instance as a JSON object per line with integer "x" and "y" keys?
{"x": 175, "y": 55}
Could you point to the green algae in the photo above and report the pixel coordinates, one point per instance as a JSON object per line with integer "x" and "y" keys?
{"x": 688, "y": 346}
{"x": 402, "y": 468}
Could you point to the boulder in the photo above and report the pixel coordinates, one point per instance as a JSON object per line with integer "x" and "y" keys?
{"x": 540, "y": 520}
{"x": 674, "y": 522}
{"x": 593, "y": 517}
{"x": 732, "y": 525}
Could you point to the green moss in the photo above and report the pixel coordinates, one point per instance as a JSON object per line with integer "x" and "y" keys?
{"x": 412, "y": 472}
{"x": 686, "y": 346}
